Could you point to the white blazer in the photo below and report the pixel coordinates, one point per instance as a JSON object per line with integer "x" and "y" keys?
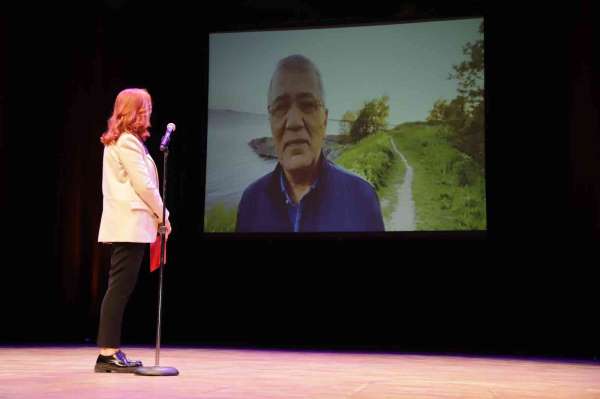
{"x": 131, "y": 206}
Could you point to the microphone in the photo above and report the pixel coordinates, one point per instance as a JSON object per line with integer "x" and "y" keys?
{"x": 164, "y": 143}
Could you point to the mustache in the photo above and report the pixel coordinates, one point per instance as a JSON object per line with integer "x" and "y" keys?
{"x": 295, "y": 141}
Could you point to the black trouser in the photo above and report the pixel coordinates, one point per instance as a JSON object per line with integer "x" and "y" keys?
{"x": 125, "y": 264}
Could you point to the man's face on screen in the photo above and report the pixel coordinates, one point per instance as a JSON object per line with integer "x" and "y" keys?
{"x": 298, "y": 118}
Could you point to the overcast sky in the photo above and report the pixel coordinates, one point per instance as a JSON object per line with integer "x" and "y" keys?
{"x": 408, "y": 62}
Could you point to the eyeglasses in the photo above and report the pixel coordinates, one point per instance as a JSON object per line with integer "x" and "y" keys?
{"x": 280, "y": 107}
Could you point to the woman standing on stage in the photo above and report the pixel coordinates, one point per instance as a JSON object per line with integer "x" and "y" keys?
{"x": 131, "y": 215}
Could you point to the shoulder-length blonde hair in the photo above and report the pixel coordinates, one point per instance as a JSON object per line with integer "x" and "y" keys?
{"x": 131, "y": 113}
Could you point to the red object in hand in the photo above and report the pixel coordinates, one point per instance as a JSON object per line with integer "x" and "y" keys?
{"x": 155, "y": 253}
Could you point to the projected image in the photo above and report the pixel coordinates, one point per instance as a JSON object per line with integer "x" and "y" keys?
{"x": 355, "y": 129}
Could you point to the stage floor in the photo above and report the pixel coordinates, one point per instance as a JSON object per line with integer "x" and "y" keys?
{"x": 67, "y": 372}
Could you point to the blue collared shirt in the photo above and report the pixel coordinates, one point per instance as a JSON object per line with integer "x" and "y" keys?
{"x": 340, "y": 202}
{"x": 294, "y": 210}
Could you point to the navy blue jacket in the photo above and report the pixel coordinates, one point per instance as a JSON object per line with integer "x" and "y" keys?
{"x": 340, "y": 202}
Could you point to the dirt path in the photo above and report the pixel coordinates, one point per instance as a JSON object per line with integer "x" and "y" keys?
{"x": 403, "y": 218}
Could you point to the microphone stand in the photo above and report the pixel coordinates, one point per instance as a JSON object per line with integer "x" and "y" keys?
{"x": 158, "y": 370}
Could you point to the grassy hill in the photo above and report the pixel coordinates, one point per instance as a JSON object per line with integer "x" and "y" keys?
{"x": 448, "y": 187}
{"x": 373, "y": 159}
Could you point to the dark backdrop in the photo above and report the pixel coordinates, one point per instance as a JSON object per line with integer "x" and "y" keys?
{"x": 526, "y": 287}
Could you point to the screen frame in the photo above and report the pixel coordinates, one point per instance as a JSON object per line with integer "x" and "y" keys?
{"x": 417, "y": 235}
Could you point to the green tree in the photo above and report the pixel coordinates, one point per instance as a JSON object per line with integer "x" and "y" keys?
{"x": 465, "y": 114}
{"x": 456, "y": 113}
{"x": 346, "y": 123}
{"x": 471, "y": 140}
{"x": 372, "y": 117}
{"x": 452, "y": 113}
{"x": 438, "y": 111}
{"x": 469, "y": 73}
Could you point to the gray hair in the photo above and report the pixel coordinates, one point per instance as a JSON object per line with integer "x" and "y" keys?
{"x": 297, "y": 63}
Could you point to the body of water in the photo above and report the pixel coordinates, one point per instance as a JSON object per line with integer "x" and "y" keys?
{"x": 231, "y": 164}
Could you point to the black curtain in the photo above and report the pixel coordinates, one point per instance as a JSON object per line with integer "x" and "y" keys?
{"x": 528, "y": 288}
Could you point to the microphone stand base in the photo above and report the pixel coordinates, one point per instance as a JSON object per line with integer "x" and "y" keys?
{"x": 156, "y": 371}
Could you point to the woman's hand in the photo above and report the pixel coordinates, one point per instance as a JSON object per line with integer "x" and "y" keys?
{"x": 165, "y": 229}
{"x": 168, "y": 228}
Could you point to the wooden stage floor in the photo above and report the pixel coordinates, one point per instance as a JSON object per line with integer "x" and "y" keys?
{"x": 67, "y": 372}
